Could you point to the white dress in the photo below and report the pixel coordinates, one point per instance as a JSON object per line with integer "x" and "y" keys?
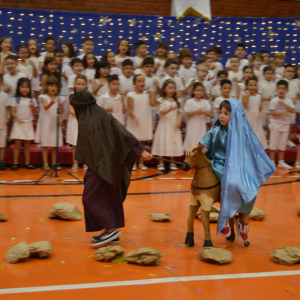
{"x": 72, "y": 130}
{"x": 46, "y": 132}
{"x": 90, "y": 75}
{"x": 23, "y": 129}
{"x": 167, "y": 139}
{"x": 252, "y": 115}
{"x": 142, "y": 128}
{"x": 196, "y": 126}
{"x": 104, "y": 89}
{"x": 35, "y": 81}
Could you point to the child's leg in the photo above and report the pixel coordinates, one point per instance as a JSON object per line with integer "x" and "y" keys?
{"x": 273, "y": 144}
{"x": 2, "y": 154}
{"x": 17, "y": 151}
{"x": 280, "y": 155}
{"x": 27, "y": 145}
{"x": 141, "y": 160}
{"x": 272, "y": 155}
{"x": 75, "y": 162}
{"x": 45, "y": 155}
{"x": 53, "y": 155}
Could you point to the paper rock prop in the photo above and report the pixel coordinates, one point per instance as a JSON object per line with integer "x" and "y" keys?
{"x": 143, "y": 256}
{"x": 66, "y": 211}
{"x": 17, "y": 253}
{"x": 161, "y": 217}
{"x": 109, "y": 253}
{"x": 286, "y": 256}
{"x": 216, "y": 255}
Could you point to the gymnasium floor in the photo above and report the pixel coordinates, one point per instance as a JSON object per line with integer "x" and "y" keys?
{"x": 73, "y": 272}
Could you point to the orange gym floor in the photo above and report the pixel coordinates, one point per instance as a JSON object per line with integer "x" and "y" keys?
{"x": 73, "y": 272}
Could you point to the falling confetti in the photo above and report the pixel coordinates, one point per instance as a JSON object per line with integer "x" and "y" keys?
{"x": 171, "y": 236}
{"x": 163, "y": 253}
{"x": 41, "y": 219}
{"x": 146, "y": 214}
{"x": 176, "y": 247}
{"x": 13, "y": 239}
{"x": 62, "y": 262}
{"x": 68, "y": 238}
{"x": 106, "y": 266}
{"x": 28, "y": 228}
{"x": 152, "y": 275}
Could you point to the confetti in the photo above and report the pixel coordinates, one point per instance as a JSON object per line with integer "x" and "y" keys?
{"x": 68, "y": 238}
{"x": 176, "y": 247}
{"x": 62, "y": 262}
{"x": 179, "y": 185}
{"x": 199, "y": 291}
{"x": 41, "y": 219}
{"x": 135, "y": 226}
{"x": 106, "y": 266}
{"x": 163, "y": 253}
{"x": 28, "y": 228}
{"x": 172, "y": 268}
{"x": 294, "y": 281}
{"x": 146, "y": 214}
{"x": 13, "y": 239}
{"x": 152, "y": 275}
{"x": 171, "y": 236}
{"x": 1, "y": 266}
{"x": 141, "y": 284}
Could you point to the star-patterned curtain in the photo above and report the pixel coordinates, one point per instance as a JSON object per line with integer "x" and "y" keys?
{"x": 273, "y": 34}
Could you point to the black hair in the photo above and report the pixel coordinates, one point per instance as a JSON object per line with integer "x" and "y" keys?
{"x": 240, "y": 45}
{"x": 210, "y": 50}
{"x": 80, "y": 77}
{"x": 225, "y": 81}
{"x": 288, "y": 66}
{"x": 268, "y": 68}
{"x": 112, "y": 78}
{"x": 58, "y": 50}
{"x": 264, "y": 52}
{"x": 100, "y": 65}
{"x": 149, "y": 60}
{"x": 18, "y": 95}
{"x": 13, "y": 57}
{"x": 75, "y": 61}
{"x": 250, "y": 79}
{"x": 136, "y": 76}
{"x": 84, "y": 60}
{"x": 105, "y": 55}
{"x": 128, "y": 53}
{"x": 45, "y": 71}
{"x": 163, "y": 45}
{"x": 70, "y": 45}
{"x": 163, "y": 93}
{"x": 222, "y": 72}
{"x": 171, "y": 61}
{"x": 127, "y": 62}
{"x": 218, "y": 50}
{"x": 37, "y": 52}
{"x": 88, "y": 39}
{"x": 283, "y": 82}
{"x": 139, "y": 44}
{"x": 195, "y": 85}
{"x": 50, "y": 38}
{"x": 21, "y": 47}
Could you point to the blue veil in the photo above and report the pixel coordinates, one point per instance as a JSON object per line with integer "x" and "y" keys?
{"x": 247, "y": 165}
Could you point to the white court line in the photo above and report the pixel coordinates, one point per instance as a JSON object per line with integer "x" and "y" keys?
{"x": 144, "y": 281}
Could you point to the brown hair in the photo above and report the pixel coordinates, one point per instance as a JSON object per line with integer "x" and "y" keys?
{"x": 136, "y": 76}
{"x": 225, "y": 104}
{"x": 257, "y": 55}
{"x": 50, "y": 81}
{"x": 6, "y": 38}
{"x": 163, "y": 93}
{"x": 128, "y": 53}
{"x": 37, "y": 52}
{"x": 80, "y": 77}
{"x": 184, "y": 52}
{"x": 202, "y": 59}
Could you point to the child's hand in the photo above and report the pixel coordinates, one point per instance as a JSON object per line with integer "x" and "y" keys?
{"x": 90, "y": 80}
{"x": 158, "y": 65}
{"x": 211, "y": 78}
{"x": 101, "y": 84}
{"x": 7, "y": 89}
{"x": 250, "y": 58}
{"x": 247, "y": 92}
{"x": 31, "y": 63}
{"x": 31, "y": 105}
{"x": 156, "y": 84}
{"x": 119, "y": 63}
{"x": 199, "y": 111}
{"x": 146, "y": 155}
{"x": 262, "y": 113}
{"x": 212, "y": 67}
{"x": 109, "y": 109}
{"x": 287, "y": 114}
{"x": 281, "y": 103}
{"x": 190, "y": 150}
{"x": 235, "y": 79}
{"x": 150, "y": 91}
{"x": 192, "y": 82}
{"x": 162, "y": 75}
{"x": 269, "y": 98}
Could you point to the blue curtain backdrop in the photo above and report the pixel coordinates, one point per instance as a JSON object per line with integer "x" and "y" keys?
{"x": 273, "y": 34}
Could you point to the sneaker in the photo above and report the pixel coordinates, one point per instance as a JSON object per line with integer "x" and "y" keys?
{"x": 274, "y": 163}
{"x": 161, "y": 167}
{"x": 96, "y": 239}
{"x": 75, "y": 168}
{"x": 30, "y": 167}
{"x": 173, "y": 167}
{"x": 296, "y": 165}
{"x": 241, "y": 229}
{"x": 291, "y": 144}
{"x": 134, "y": 167}
{"x": 106, "y": 238}
{"x": 2, "y": 166}
{"x": 283, "y": 165}
{"x": 46, "y": 167}
{"x": 226, "y": 231}
{"x": 85, "y": 167}
{"x": 15, "y": 167}
{"x": 143, "y": 167}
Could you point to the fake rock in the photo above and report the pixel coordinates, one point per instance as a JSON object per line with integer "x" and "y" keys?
{"x": 216, "y": 255}
{"x": 143, "y": 256}
{"x": 161, "y": 217}
{"x": 109, "y": 253}
{"x": 41, "y": 249}
{"x": 286, "y": 256}
{"x": 65, "y": 211}
{"x": 257, "y": 214}
{"x": 17, "y": 253}
{"x": 213, "y": 216}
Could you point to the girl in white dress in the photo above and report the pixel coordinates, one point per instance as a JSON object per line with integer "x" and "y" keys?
{"x": 72, "y": 126}
{"x": 49, "y": 70}
{"x": 168, "y": 140}
{"x": 109, "y": 56}
{"x": 196, "y": 109}
{"x": 100, "y": 83}
{"x": 139, "y": 121}
{"x": 247, "y": 73}
{"x": 89, "y": 64}
{"x": 5, "y": 50}
{"x": 69, "y": 52}
{"x": 160, "y": 59}
{"x": 35, "y": 57}
{"x": 46, "y": 133}
{"x": 124, "y": 52}
{"x": 24, "y": 108}
{"x": 253, "y": 110}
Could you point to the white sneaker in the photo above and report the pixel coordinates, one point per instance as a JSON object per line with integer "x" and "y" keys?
{"x": 143, "y": 167}
{"x": 291, "y": 144}
{"x": 297, "y": 165}
{"x": 134, "y": 167}
{"x": 161, "y": 167}
{"x": 173, "y": 167}
{"x": 283, "y": 165}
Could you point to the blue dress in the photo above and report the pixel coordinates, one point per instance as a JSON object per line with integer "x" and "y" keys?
{"x": 239, "y": 162}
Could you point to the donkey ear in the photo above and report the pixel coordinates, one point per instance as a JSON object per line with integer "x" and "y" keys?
{"x": 200, "y": 148}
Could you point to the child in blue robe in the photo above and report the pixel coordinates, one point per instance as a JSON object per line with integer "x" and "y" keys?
{"x": 239, "y": 162}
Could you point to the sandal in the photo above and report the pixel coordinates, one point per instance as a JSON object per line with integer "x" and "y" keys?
{"x": 75, "y": 168}
{"x": 85, "y": 167}
{"x": 30, "y": 167}
{"x": 15, "y": 167}
{"x": 297, "y": 165}
{"x": 46, "y": 167}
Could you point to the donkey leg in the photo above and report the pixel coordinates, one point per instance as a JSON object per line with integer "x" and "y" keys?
{"x": 205, "y": 222}
{"x": 189, "y": 240}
